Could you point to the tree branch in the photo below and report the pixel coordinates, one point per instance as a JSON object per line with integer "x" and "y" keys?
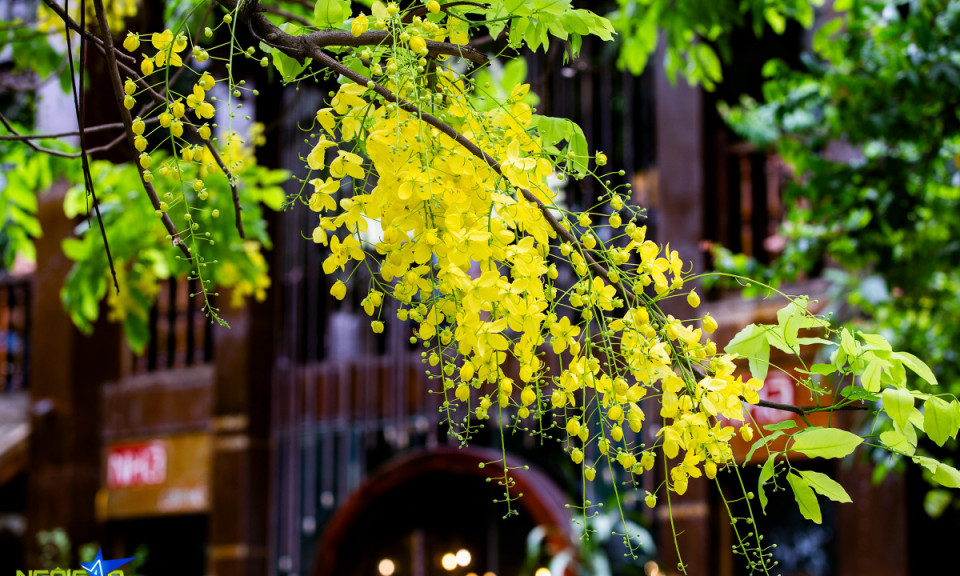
{"x": 290, "y": 16}
{"x": 118, "y": 93}
{"x": 160, "y": 99}
{"x": 805, "y": 410}
{"x": 19, "y": 136}
{"x": 309, "y": 45}
{"x": 29, "y": 142}
{"x": 71, "y": 23}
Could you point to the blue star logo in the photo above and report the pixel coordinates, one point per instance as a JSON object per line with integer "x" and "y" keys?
{"x": 101, "y": 567}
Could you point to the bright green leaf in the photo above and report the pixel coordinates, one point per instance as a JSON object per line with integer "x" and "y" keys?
{"x": 330, "y": 13}
{"x": 917, "y": 365}
{"x": 825, "y": 486}
{"x": 805, "y": 497}
{"x": 825, "y": 442}
{"x": 870, "y": 379}
{"x": 947, "y": 476}
{"x": 939, "y": 420}
{"x": 897, "y": 442}
{"x": 898, "y": 404}
{"x": 751, "y": 343}
{"x": 766, "y": 473}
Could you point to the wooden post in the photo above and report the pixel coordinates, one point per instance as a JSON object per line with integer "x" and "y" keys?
{"x": 66, "y": 374}
{"x": 239, "y": 494}
{"x": 680, "y": 166}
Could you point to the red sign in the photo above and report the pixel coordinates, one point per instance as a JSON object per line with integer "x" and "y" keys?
{"x": 136, "y": 465}
{"x": 778, "y": 387}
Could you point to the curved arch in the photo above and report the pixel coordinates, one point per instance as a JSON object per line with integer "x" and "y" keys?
{"x": 542, "y": 500}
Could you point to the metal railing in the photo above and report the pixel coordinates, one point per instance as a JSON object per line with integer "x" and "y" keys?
{"x": 180, "y": 335}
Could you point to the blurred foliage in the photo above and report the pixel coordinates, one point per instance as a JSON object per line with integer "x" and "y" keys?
{"x": 697, "y": 34}
{"x": 139, "y": 244}
{"x": 32, "y": 57}
{"x": 871, "y": 128}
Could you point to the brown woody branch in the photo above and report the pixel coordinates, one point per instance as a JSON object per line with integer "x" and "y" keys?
{"x": 19, "y": 136}
{"x": 118, "y": 93}
{"x": 286, "y": 14}
{"x": 310, "y": 46}
{"x": 97, "y": 41}
{"x": 805, "y": 410}
{"x": 159, "y": 98}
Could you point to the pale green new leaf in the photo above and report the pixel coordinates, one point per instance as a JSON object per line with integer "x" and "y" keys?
{"x": 876, "y": 340}
{"x": 917, "y": 365}
{"x": 940, "y": 420}
{"x": 947, "y": 476}
{"x": 794, "y": 317}
{"x": 785, "y": 425}
{"x": 897, "y": 442}
{"x": 766, "y": 473}
{"x": 826, "y": 486}
{"x": 805, "y": 497}
{"x": 825, "y": 442}
{"x": 898, "y": 404}
{"x": 751, "y": 343}
{"x": 330, "y": 13}
{"x": 870, "y": 379}
{"x": 763, "y": 441}
{"x": 849, "y": 344}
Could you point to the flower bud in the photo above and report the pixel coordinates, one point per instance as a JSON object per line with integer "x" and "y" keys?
{"x": 131, "y": 42}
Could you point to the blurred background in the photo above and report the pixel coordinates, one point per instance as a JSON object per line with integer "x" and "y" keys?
{"x": 299, "y": 443}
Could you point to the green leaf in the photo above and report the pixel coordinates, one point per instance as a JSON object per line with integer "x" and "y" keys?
{"x": 814, "y": 340}
{"x": 821, "y": 39}
{"x": 849, "y": 344}
{"x": 940, "y": 420}
{"x": 766, "y": 473}
{"x": 805, "y": 497}
{"x": 917, "y": 365}
{"x": 825, "y": 442}
{"x": 330, "y": 13}
{"x": 709, "y": 62}
{"x": 763, "y": 441}
{"x": 876, "y": 340}
{"x": 935, "y": 503}
{"x": 823, "y": 369}
{"x": 898, "y": 404}
{"x": 826, "y": 486}
{"x": 785, "y": 425}
{"x": 751, "y": 343}
{"x": 897, "y": 442}
{"x": 776, "y": 20}
{"x": 858, "y": 393}
{"x": 288, "y": 67}
{"x": 870, "y": 379}
{"x": 947, "y": 476}
{"x": 557, "y": 7}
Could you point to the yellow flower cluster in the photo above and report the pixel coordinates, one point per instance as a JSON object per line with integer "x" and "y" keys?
{"x": 469, "y": 256}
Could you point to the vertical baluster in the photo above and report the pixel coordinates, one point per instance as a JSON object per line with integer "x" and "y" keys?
{"x": 191, "y": 321}
{"x": 27, "y": 319}
{"x": 172, "y": 324}
{"x": 7, "y": 330}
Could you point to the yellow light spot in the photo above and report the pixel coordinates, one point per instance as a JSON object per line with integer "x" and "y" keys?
{"x": 449, "y": 561}
{"x": 463, "y": 557}
{"x": 386, "y": 567}
{"x": 542, "y": 572}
